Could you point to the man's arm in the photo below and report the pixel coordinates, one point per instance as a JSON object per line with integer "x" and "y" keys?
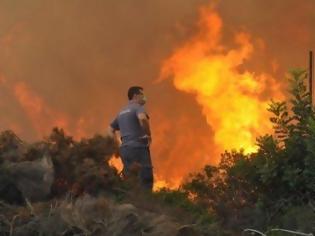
{"x": 113, "y": 129}
{"x": 111, "y": 132}
{"x": 145, "y": 124}
{"x": 114, "y": 134}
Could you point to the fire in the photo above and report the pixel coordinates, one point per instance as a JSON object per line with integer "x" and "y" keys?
{"x": 233, "y": 102}
{"x": 40, "y": 114}
{"x": 159, "y": 182}
{"x": 43, "y": 117}
{"x": 232, "y": 99}
{"x": 116, "y": 162}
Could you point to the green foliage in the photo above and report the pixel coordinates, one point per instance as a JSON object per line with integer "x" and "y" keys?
{"x": 179, "y": 198}
{"x": 299, "y": 218}
{"x": 256, "y": 189}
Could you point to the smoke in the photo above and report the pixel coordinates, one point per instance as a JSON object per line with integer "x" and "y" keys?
{"x": 283, "y": 29}
{"x": 70, "y": 63}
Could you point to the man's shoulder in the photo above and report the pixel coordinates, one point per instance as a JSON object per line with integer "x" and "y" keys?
{"x": 135, "y": 107}
{"x": 132, "y": 109}
{"x": 129, "y": 108}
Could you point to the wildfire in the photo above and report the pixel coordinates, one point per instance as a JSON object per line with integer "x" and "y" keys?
{"x": 116, "y": 162}
{"x": 232, "y": 101}
{"x": 159, "y": 182}
{"x": 43, "y": 117}
{"x": 39, "y": 113}
{"x": 232, "y": 98}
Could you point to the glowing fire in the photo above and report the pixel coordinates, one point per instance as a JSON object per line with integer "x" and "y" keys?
{"x": 116, "y": 162}
{"x": 232, "y": 101}
{"x": 43, "y": 117}
{"x": 40, "y": 114}
{"x": 158, "y": 181}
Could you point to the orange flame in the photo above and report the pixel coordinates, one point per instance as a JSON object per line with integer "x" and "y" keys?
{"x": 233, "y": 102}
{"x": 40, "y": 114}
{"x": 43, "y": 117}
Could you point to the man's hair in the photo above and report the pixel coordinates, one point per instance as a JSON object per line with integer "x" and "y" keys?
{"x": 133, "y": 91}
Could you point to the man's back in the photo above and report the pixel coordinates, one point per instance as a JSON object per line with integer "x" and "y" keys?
{"x": 128, "y": 123}
{"x": 133, "y": 124}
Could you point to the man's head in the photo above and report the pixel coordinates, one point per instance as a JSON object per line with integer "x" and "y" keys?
{"x": 136, "y": 94}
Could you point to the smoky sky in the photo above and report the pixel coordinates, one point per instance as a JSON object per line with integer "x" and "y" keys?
{"x": 285, "y": 28}
{"x": 79, "y": 58}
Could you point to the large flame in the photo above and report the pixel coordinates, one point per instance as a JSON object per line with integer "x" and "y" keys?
{"x": 232, "y": 101}
{"x": 82, "y": 95}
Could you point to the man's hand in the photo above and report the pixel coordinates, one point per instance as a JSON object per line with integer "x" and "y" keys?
{"x": 147, "y": 138}
{"x": 113, "y": 134}
{"x": 144, "y": 122}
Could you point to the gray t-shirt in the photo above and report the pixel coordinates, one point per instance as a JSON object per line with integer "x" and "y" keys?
{"x": 128, "y": 123}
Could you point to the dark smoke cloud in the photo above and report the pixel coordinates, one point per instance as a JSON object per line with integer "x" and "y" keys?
{"x": 79, "y": 57}
{"x": 285, "y": 29}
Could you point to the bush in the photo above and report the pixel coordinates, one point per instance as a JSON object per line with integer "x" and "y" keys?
{"x": 262, "y": 189}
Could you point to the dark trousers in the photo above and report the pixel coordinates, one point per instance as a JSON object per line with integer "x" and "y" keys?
{"x": 138, "y": 156}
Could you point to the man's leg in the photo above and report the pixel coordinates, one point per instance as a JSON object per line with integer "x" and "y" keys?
{"x": 146, "y": 173}
{"x": 131, "y": 157}
{"x": 126, "y": 159}
{"x": 138, "y": 155}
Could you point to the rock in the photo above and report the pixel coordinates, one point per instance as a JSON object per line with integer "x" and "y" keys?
{"x": 86, "y": 213}
{"x": 124, "y": 221}
{"x": 187, "y": 230}
{"x": 12, "y": 148}
{"x": 159, "y": 225}
{"x": 33, "y": 178}
{"x": 9, "y": 192}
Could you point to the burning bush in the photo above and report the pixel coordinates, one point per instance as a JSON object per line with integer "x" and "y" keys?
{"x": 55, "y": 166}
{"x": 81, "y": 166}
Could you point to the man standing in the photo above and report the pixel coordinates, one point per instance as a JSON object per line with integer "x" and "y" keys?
{"x": 133, "y": 124}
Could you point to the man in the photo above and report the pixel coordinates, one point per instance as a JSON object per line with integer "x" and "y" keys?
{"x": 133, "y": 124}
